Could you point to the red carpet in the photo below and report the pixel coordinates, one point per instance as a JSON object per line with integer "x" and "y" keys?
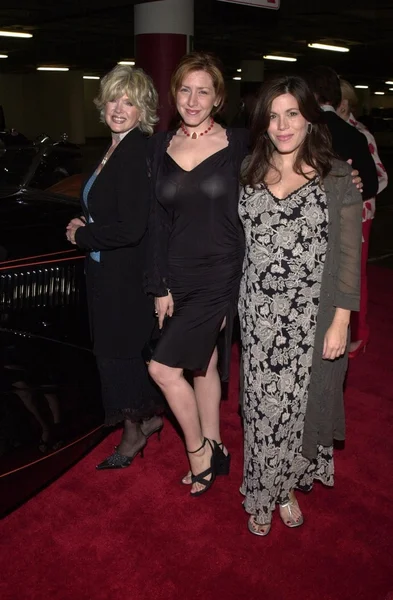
{"x": 136, "y": 534}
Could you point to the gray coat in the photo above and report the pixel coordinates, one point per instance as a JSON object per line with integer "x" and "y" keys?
{"x": 340, "y": 288}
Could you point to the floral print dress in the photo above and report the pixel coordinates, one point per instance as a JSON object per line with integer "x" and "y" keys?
{"x": 286, "y": 242}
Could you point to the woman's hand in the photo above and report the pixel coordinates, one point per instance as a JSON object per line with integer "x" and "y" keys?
{"x": 356, "y": 179}
{"x": 71, "y": 228}
{"x": 336, "y": 336}
{"x": 164, "y": 308}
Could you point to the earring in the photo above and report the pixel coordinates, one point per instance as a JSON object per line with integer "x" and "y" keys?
{"x": 309, "y": 127}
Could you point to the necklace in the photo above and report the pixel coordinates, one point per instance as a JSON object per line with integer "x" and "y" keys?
{"x": 195, "y": 135}
{"x": 108, "y": 155}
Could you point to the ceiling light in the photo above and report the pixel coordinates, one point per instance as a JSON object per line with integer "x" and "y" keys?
{"x": 379, "y": 93}
{"x": 131, "y": 63}
{"x": 53, "y": 69}
{"x": 91, "y": 77}
{"x": 15, "y": 34}
{"x": 390, "y": 89}
{"x": 239, "y": 70}
{"x": 283, "y": 58}
{"x": 237, "y": 78}
{"x": 3, "y": 55}
{"x": 361, "y": 87}
{"x": 328, "y": 47}
{"x": 389, "y": 82}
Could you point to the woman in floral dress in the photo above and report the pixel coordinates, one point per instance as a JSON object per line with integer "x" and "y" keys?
{"x": 302, "y": 221}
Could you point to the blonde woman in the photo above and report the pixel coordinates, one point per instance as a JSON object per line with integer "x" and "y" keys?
{"x": 115, "y": 203}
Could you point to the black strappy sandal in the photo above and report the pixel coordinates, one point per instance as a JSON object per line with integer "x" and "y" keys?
{"x": 201, "y": 477}
{"x": 222, "y": 460}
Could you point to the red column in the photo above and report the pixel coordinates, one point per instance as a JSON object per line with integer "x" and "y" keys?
{"x": 163, "y": 31}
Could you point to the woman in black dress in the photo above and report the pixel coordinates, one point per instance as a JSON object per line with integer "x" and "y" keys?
{"x": 115, "y": 202}
{"x": 197, "y": 254}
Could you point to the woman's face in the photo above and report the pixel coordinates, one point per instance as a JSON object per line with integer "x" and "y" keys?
{"x": 196, "y": 98}
{"x": 288, "y": 127}
{"x": 121, "y": 115}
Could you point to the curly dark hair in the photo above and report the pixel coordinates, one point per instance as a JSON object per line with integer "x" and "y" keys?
{"x": 316, "y": 149}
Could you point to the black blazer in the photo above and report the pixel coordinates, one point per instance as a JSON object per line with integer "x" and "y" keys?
{"x": 121, "y": 315}
{"x": 348, "y": 143}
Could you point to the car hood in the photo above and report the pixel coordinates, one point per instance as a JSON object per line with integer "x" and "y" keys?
{"x": 34, "y": 222}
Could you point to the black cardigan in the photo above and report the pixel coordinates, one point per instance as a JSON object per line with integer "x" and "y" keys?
{"x": 121, "y": 315}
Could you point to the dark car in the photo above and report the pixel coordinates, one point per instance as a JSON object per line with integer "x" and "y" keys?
{"x": 50, "y": 407}
{"x": 42, "y": 162}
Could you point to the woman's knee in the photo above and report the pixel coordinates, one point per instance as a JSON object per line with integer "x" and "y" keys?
{"x": 162, "y": 374}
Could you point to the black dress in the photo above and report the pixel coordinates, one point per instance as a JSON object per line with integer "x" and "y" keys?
{"x": 197, "y": 249}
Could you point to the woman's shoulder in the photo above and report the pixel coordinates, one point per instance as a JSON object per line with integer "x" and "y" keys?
{"x": 158, "y": 142}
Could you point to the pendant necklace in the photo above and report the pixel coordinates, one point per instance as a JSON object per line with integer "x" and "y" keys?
{"x": 195, "y": 135}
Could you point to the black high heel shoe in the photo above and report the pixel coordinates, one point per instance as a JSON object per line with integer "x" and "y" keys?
{"x": 222, "y": 460}
{"x": 157, "y": 430}
{"x": 120, "y": 461}
{"x": 201, "y": 477}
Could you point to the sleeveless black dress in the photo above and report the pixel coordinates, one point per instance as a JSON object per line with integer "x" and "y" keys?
{"x": 197, "y": 249}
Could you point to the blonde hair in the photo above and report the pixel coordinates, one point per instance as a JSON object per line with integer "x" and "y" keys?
{"x": 348, "y": 93}
{"x": 139, "y": 89}
{"x": 200, "y": 61}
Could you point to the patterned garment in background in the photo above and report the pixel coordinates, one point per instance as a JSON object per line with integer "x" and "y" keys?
{"x": 369, "y": 205}
{"x": 286, "y": 242}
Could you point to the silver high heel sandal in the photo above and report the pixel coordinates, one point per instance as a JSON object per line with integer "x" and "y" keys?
{"x": 251, "y": 524}
{"x": 290, "y": 521}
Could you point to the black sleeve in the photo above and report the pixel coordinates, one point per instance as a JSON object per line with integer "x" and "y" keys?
{"x": 159, "y": 229}
{"x": 132, "y": 196}
{"x": 363, "y": 161}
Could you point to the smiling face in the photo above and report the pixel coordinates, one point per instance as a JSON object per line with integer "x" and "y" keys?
{"x": 120, "y": 115}
{"x": 196, "y": 98}
{"x": 288, "y": 128}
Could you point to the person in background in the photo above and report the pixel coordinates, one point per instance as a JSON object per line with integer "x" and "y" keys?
{"x": 359, "y": 326}
{"x": 347, "y": 142}
{"x": 301, "y": 278}
{"x": 115, "y": 203}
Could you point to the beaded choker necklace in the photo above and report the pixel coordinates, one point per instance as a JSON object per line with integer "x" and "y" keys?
{"x": 195, "y": 135}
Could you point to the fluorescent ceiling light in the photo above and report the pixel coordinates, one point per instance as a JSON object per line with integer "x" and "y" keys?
{"x": 390, "y": 89}
{"x": 283, "y": 58}
{"x": 53, "y": 69}
{"x": 389, "y": 82}
{"x": 237, "y": 78}
{"x": 329, "y": 47}
{"x": 361, "y": 87}
{"x": 131, "y": 63}
{"x": 90, "y": 77}
{"x": 379, "y": 93}
{"x": 3, "y": 55}
{"x": 239, "y": 70}
{"x": 15, "y": 34}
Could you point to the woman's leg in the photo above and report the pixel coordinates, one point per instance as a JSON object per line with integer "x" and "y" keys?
{"x": 182, "y": 401}
{"x": 207, "y": 388}
{"x": 132, "y": 439}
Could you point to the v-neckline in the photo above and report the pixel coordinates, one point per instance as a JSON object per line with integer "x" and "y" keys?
{"x": 202, "y": 161}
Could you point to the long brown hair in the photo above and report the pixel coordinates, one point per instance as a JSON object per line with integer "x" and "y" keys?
{"x": 316, "y": 149}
